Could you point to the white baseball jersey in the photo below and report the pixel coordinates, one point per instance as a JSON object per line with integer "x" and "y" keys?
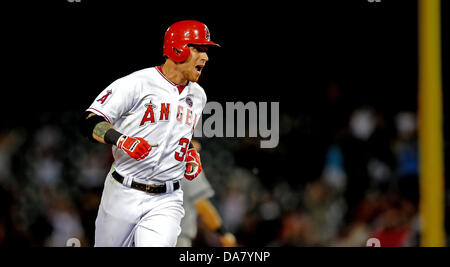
{"x": 146, "y": 104}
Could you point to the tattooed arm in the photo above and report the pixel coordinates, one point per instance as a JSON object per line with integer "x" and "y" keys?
{"x": 97, "y": 129}
{"x": 101, "y": 130}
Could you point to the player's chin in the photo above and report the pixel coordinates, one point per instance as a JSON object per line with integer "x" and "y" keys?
{"x": 194, "y": 77}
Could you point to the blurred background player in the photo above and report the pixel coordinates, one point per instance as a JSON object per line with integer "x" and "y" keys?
{"x": 196, "y": 204}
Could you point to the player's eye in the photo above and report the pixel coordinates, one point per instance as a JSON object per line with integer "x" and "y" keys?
{"x": 200, "y": 48}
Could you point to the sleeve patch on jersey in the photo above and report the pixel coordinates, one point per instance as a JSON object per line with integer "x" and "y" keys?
{"x": 105, "y": 97}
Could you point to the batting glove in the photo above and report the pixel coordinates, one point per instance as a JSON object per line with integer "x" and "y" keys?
{"x": 193, "y": 164}
{"x": 136, "y": 147}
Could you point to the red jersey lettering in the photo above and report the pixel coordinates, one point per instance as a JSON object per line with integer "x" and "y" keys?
{"x": 164, "y": 111}
{"x": 180, "y": 113}
{"x": 149, "y": 115}
{"x": 188, "y": 117}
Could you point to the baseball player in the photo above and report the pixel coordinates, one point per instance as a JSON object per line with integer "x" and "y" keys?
{"x": 149, "y": 117}
{"x": 196, "y": 203}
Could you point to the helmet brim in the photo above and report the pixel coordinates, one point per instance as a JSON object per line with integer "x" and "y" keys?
{"x": 205, "y": 43}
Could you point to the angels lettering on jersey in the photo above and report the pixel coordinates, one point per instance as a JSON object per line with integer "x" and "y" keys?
{"x": 184, "y": 115}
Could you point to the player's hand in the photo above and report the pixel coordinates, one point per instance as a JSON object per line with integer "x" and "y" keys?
{"x": 193, "y": 164}
{"x": 136, "y": 147}
{"x": 228, "y": 240}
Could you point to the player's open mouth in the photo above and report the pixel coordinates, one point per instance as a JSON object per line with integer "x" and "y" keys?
{"x": 199, "y": 68}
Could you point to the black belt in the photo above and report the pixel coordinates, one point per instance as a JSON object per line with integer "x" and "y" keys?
{"x": 149, "y": 188}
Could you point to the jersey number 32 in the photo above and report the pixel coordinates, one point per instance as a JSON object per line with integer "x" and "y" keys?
{"x": 184, "y": 143}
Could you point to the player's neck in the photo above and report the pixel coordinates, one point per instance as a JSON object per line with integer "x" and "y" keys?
{"x": 169, "y": 70}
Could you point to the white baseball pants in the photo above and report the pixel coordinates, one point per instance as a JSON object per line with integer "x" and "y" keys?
{"x": 130, "y": 217}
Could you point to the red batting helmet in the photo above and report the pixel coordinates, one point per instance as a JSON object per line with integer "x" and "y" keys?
{"x": 182, "y": 33}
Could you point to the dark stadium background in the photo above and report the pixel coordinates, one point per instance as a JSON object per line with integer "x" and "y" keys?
{"x": 322, "y": 60}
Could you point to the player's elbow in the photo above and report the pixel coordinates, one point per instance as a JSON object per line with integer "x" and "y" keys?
{"x": 87, "y": 123}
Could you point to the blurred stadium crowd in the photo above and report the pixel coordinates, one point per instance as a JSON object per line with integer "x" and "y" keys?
{"x": 365, "y": 185}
